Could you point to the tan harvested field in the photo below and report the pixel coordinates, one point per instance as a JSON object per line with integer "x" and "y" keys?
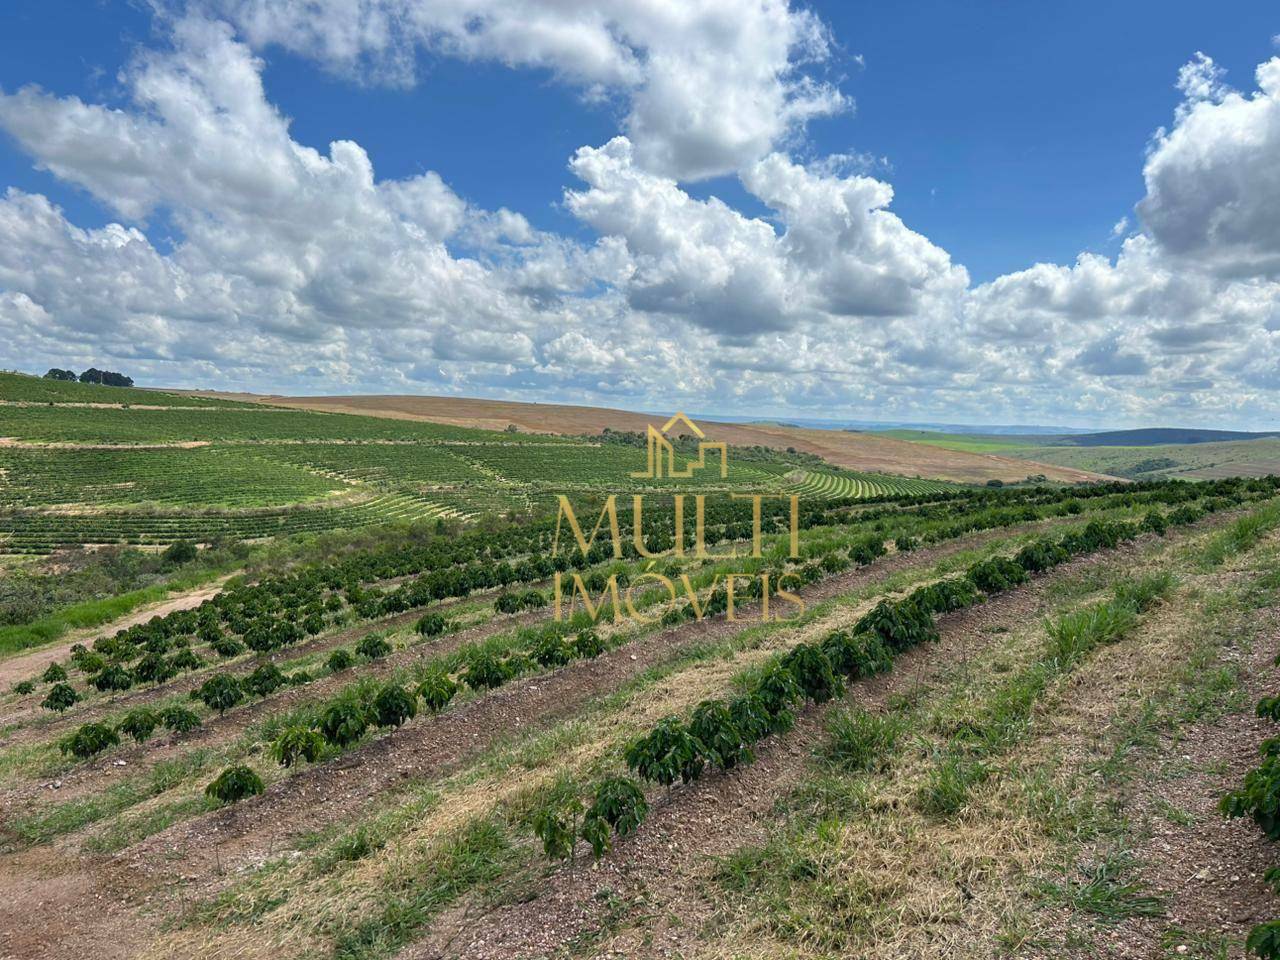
{"x": 867, "y": 452}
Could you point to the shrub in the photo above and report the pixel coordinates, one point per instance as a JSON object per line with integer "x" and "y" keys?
{"x": 587, "y": 645}
{"x": 750, "y": 717}
{"x": 713, "y": 726}
{"x": 24, "y": 687}
{"x": 666, "y": 754}
{"x": 507, "y": 603}
{"x": 113, "y": 677}
{"x": 297, "y": 743}
{"x": 54, "y": 673}
{"x": 906, "y": 544}
{"x": 61, "y": 696}
{"x": 812, "y": 670}
{"x": 431, "y": 625}
{"x": 186, "y": 660}
{"x": 226, "y": 646}
{"x": 153, "y": 668}
{"x": 340, "y": 660}
{"x": 485, "y": 671}
{"x": 550, "y": 649}
{"x": 437, "y": 689}
{"x": 179, "y": 719}
{"x": 1155, "y": 522}
{"x": 620, "y": 806}
{"x": 220, "y": 692}
{"x": 1259, "y": 796}
{"x": 88, "y": 740}
{"x": 1041, "y": 555}
{"x": 866, "y": 549}
{"x": 856, "y": 655}
{"x": 996, "y": 574}
{"x": 179, "y": 552}
{"x": 946, "y": 596}
{"x": 900, "y": 625}
{"x": 778, "y": 691}
{"x": 139, "y": 723}
{"x": 372, "y": 647}
{"x": 393, "y": 705}
{"x": 555, "y": 824}
{"x": 343, "y": 722}
{"x": 1269, "y": 708}
{"x": 234, "y": 784}
{"x": 1264, "y": 940}
{"x": 86, "y": 661}
{"x": 264, "y": 681}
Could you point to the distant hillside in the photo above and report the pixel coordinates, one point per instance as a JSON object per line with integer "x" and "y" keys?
{"x": 1208, "y": 460}
{"x": 24, "y": 388}
{"x": 865, "y": 452}
{"x": 1152, "y": 436}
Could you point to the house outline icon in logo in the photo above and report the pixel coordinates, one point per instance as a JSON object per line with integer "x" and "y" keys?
{"x": 659, "y": 449}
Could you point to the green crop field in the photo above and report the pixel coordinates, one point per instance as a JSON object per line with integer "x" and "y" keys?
{"x": 846, "y": 483}
{"x": 22, "y": 388}
{"x": 75, "y": 470}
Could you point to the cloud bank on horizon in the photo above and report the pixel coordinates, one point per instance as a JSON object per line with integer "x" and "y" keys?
{"x": 302, "y": 270}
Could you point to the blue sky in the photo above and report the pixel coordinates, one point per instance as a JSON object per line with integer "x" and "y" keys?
{"x": 1014, "y": 132}
{"x": 1010, "y": 134}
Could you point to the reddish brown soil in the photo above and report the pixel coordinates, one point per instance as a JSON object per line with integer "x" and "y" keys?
{"x": 136, "y": 760}
{"x": 856, "y": 451}
{"x": 713, "y": 816}
{"x": 1210, "y": 869}
{"x": 686, "y": 824}
{"x": 430, "y": 747}
{"x": 31, "y": 664}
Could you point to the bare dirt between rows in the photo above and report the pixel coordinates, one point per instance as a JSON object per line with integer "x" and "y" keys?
{"x": 25, "y": 665}
{"x": 716, "y": 814}
{"x": 314, "y": 797}
{"x": 1211, "y": 869}
{"x": 140, "y": 696}
{"x": 136, "y": 760}
{"x": 194, "y": 857}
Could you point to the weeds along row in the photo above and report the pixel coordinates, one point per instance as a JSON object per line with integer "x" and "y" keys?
{"x": 344, "y": 887}
{"x": 1258, "y": 796}
{"x": 278, "y": 613}
{"x": 473, "y": 642}
{"x": 720, "y": 734}
{"x": 353, "y": 711}
{"x": 319, "y": 731}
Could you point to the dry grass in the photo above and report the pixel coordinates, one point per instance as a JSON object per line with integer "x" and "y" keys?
{"x": 878, "y": 879}
{"x": 867, "y": 452}
{"x": 497, "y": 784}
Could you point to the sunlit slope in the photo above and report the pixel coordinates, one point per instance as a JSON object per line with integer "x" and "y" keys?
{"x": 865, "y": 452}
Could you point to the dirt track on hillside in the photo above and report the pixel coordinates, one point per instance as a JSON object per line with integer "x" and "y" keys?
{"x": 868, "y": 452}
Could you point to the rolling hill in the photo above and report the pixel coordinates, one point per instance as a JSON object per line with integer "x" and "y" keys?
{"x": 869, "y": 452}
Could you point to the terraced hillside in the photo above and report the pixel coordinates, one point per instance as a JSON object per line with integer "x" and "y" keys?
{"x": 79, "y": 472}
{"x": 861, "y": 452}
